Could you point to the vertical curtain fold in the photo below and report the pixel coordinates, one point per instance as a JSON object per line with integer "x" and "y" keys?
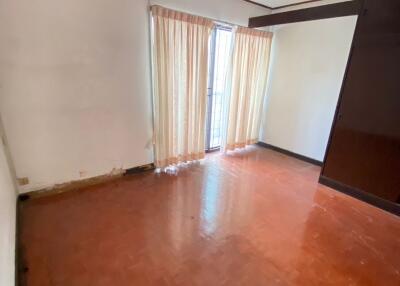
{"x": 246, "y": 87}
{"x": 180, "y": 66}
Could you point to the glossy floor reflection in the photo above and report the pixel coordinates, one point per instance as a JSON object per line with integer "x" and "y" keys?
{"x": 254, "y": 217}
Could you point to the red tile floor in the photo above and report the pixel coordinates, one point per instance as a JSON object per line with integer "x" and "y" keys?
{"x": 254, "y": 217}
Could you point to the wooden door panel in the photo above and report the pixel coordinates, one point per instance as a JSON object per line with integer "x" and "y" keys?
{"x": 364, "y": 150}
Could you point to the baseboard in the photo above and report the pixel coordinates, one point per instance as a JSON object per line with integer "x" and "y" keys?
{"x": 21, "y": 267}
{"x": 213, "y": 150}
{"x": 290, "y": 153}
{"x": 80, "y": 184}
{"x": 140, "y": 169}
{"x": 17, "y": 243}
{"x": 361, "y": 195}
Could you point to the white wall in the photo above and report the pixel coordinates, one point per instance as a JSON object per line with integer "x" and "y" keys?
{"x": 306, "y": 73}
{"x": 75, "y": 87}
{"x": 7, "y": 219}
{"x": 75, "y": 90}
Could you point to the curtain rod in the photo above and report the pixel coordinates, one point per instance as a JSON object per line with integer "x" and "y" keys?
{"x": 222, "y": 23}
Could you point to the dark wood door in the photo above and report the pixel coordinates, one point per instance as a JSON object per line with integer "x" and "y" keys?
{"x": 364, "y": 150}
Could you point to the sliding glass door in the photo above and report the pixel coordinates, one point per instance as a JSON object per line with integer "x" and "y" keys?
{"x": 219, "y": 60}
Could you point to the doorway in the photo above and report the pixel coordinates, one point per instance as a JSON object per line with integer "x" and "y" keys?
{"x": 220, "y": 47}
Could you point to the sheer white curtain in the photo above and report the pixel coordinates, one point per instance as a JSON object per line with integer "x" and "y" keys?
{"x": 246, "y": 87}
{"x": 180, "y": 68}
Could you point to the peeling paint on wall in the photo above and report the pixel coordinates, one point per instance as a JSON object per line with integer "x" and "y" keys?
{"x": 78, "y": 184}
{"x": 23, "y": 181}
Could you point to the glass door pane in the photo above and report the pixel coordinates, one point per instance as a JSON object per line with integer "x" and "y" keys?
{"x": 219, "y": 60}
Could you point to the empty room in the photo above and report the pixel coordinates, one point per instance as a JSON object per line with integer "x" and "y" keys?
{"x": 186, "y": 142}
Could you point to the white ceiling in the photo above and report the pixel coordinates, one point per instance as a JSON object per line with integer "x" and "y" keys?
{"x": 276, "y": 3}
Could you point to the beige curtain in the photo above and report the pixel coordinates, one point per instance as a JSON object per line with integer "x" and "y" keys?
{"x": 246, "y": 87}
{"x": 180, "y": 67}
